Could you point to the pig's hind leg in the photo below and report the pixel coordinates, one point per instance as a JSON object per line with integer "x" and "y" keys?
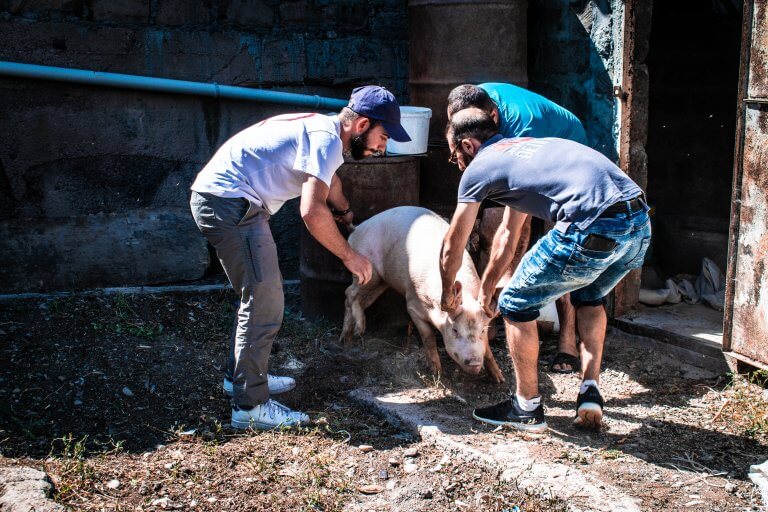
{"x": 358, "y": 298}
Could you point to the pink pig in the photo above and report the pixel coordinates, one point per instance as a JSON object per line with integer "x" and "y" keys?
{"x": 403, "y": 245}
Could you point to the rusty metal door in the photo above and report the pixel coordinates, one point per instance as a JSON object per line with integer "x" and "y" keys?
{"x": 746, "y": 316}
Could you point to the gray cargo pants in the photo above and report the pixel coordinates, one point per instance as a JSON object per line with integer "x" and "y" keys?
{"x": 239, "y": 231}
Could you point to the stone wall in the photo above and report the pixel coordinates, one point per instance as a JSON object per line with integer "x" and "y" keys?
{"x": 75, "y": 159}
{"x": 574, "y": 59}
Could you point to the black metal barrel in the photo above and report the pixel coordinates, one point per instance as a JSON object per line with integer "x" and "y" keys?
{"x": 372, "y": 185}
{"x": 453, "y": 42}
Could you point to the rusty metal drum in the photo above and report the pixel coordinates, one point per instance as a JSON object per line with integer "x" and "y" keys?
{"x": 372, "y": 185}
{"x": 453, "y": 42}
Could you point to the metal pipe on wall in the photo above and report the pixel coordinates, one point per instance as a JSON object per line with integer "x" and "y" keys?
{"x": 168, "y": 85}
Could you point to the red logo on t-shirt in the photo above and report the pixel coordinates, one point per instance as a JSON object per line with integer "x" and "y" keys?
{"x": 505, "y": 144}
{"x": 286, "y": 117}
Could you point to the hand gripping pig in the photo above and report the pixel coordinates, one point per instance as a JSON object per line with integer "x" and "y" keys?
{"x": 403, "y": 245}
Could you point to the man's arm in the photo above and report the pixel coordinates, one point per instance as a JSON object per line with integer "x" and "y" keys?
{"x": 338, "y": 201}
{"x": 452, "y": 251}
{"x": 319, "y": 221}
{"x": 502, "y": 251}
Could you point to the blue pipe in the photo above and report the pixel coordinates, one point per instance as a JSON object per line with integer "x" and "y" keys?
{"x": 148, "y": 83}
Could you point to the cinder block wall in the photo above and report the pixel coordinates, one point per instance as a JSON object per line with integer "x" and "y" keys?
{"x": 94, "y": 181}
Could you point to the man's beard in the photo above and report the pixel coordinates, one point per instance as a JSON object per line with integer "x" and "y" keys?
{"x": 358, "y": 145}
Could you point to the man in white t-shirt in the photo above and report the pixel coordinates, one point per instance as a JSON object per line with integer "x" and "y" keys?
{"x": 248, "y": 179}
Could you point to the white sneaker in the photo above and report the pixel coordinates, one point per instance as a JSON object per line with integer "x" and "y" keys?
{"x": 277, "y": 384}
{"x": 266, "y": 416}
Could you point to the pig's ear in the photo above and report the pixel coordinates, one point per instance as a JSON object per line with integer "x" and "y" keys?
{"x": 456, "y": 311}
{"x": 457, "y": 292}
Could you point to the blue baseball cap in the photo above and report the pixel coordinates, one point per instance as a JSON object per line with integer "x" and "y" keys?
{"x": 378, "y": 103}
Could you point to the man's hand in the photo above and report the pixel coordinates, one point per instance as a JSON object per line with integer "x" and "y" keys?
{"x": 486, "y": 301}
{"x": 360, "y": 267}
{"x": 320, "y": 223}
{"x": 345, "y": 219}
{"x": 449, "y": 300}
{"x": 339, "y": 202}
{"x": 452, "y": 252}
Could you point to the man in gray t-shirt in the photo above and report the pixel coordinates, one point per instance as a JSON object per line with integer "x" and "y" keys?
{"x": 552, "y": 179}
{"x": 602, "y": 231}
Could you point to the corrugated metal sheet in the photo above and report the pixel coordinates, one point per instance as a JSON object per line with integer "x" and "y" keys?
{"x": 747, "y": 297}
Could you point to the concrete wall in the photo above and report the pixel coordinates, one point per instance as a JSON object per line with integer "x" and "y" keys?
{"x": 574, "y": 59}
{"x": 75, "y": 159}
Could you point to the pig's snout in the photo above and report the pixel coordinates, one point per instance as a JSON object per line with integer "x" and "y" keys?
{"x": 473, "y": 365}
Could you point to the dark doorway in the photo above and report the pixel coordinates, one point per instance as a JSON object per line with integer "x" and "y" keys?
{"x": 693, "y": 66}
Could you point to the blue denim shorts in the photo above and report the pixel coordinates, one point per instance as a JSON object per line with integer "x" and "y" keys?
{"x": 558, "y": 264}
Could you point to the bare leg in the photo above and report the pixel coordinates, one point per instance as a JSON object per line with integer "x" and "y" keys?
{"x": 566, "y": 314}
{"x": 523, "y": 344}
{"x": 591, "y": 321}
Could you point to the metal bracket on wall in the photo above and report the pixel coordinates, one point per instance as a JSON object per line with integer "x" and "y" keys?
{"x": 618, "y": 92}
{"x": 760, "y": 101}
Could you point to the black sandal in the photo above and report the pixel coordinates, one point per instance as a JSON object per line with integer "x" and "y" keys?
{"x": 562, "y": 358}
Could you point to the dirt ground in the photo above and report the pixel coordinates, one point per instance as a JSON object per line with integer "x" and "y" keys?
{"x": 118, "y": 398}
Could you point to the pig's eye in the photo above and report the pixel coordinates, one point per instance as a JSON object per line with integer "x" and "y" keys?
{"x": 455, "y": 331}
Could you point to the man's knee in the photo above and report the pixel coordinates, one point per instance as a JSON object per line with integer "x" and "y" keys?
{"x": 519, "y": 316}
{"x": 578, "y": 301}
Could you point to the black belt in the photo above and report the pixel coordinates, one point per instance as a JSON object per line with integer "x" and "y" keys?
{"x": 635, "y": 204}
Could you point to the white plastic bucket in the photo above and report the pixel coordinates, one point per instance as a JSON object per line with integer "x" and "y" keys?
{"x": 548, "y": 319}
{"x": 415, "y": 120}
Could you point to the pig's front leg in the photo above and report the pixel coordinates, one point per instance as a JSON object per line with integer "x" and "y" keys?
{"x": 428, "y": 339}
{"x": 491, "y": 366}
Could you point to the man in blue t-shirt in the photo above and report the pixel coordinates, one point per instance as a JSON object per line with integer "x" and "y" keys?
{"x": 601, "y": 232}
{"x": 519, "y": 112}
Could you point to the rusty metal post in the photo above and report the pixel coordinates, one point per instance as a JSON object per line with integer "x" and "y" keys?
{"x": 633, "y": 95}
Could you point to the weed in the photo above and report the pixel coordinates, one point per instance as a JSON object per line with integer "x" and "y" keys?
{"x": 744, "y": 405}
{"x": 433, "y": 381}
{"x": 75, "y": 469}
{"x": 62, "y": 305}
{"x": 611, "y": 454}
{"x": 759, "y": 377}
{"x": 123, "y": 306}
{"x": 576, "y": 458}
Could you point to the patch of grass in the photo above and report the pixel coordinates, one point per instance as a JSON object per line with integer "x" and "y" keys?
{"x": 138, "y": 329}
{"x": 75, "y": 470}
{"x": 61, "y": 306}
{"x": 611, "y": 454}
{"x": 574, "y": 457}
{"x": 123, "y": 308}
{"x": 745, "y": 405}
{"x": 126, "y": 321}
{"x": 506, "y": 496}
